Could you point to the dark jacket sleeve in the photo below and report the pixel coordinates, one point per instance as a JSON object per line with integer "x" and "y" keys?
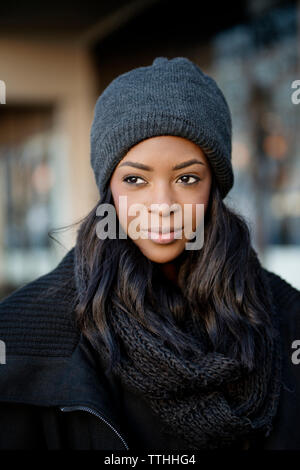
{"x": 286, "y": 435}
{"x": 36, "y": 327}
{"x": 20, "y": 427}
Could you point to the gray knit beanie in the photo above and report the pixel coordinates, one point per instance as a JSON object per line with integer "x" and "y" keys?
{"x": 169, "y": 97}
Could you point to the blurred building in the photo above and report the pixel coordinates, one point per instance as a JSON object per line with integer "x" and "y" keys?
{"x": 55, "y": 61}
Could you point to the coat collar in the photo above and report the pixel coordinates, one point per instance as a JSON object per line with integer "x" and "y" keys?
{"x": 59, "y": 382}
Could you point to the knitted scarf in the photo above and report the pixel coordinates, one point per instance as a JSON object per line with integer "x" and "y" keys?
{"x": 208, "y": 399}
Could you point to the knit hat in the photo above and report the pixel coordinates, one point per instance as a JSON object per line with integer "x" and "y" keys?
{"x": 169, "y": 97}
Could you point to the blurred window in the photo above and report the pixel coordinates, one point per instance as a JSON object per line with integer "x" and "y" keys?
{"x": 255, "y": 65}
{"x": 28, "y": 193}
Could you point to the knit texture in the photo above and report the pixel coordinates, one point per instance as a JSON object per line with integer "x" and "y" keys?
{"x": 208, "y": 399}
{"x": 37, "y": 319}
{"x": 170, "y": 97}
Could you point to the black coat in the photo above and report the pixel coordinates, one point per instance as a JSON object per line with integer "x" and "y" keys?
{"x": 55, "y": 395}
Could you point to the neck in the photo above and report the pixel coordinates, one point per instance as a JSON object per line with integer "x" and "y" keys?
{"x": 170, "y": 270}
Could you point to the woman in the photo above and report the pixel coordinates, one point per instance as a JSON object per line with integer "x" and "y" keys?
{"x": 158, "y": 330}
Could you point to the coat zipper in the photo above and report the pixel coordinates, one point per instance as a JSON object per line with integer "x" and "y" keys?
{"x": 94, "y": 412}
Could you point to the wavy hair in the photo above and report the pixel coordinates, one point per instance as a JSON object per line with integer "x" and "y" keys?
{"x": 220, "y": 287}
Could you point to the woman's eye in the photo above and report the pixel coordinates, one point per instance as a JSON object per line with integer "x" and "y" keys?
{"x": 133, "y": 178}
{"x": 187, "y": 177}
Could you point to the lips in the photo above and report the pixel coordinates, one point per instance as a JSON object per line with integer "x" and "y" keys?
{"x": 161, "y": 231}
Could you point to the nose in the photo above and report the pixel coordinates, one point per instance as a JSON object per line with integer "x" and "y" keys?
{"x": 162, "y": 201}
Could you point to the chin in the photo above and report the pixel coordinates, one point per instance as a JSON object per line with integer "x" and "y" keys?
{"x": 161, "y": 253}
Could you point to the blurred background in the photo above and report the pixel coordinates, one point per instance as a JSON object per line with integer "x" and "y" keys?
{"x": 57, "y": 57}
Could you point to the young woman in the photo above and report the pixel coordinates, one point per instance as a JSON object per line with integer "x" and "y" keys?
{"x": 160, "y": 329}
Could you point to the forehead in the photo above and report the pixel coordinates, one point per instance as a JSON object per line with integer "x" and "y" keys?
{"x": 171, "y": 148}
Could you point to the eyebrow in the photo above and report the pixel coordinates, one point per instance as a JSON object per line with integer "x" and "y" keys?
{"x": 149, "y": 168}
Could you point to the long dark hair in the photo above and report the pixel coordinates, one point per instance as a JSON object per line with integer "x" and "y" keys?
{"x": 221, "y": 287}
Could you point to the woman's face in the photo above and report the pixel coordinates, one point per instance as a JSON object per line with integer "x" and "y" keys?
{"x": 162, "y": 170}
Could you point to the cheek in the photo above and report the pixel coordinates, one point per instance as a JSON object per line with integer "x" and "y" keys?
{"x": 193, "y": 211}
{"x": 116, "y": 194}
{"x": 203, "y": 199}
{"x": 124, "y": 210}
